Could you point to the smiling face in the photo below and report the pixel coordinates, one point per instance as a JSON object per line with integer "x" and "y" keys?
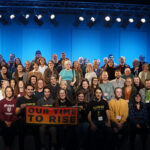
{"x": 62, "y": 94}
{"x": 29, "y": 91}
{"x": 81, "y": 97}
{"x": 137, "y": 98}
{"x": 46, "y": 93}
{"x": 9, "y": 92}
{"x": 118, "y": 93}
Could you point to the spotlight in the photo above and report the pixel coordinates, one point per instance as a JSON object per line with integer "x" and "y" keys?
{"x": 108, "y": 23}
{"x": 1, "y": 16}
{"x": 52, "y": 16}
{"x": 93, "y": 19}
{"x": 81, "y": 18}
{"x": 78, "y": 21}
{"x": 143, "y": 20}
{"x": 118, "y": 19}
{"x": 107, "y": 18}
{"x": 39, "y": 17}
{"x": 27, "y": 16}
{"x": 140, "y": 23}
{"x": 12, "y": 16}
{"x": 91, "y": 22}
{"x": 131, "y": 20}
{"x": 24, "y": 19}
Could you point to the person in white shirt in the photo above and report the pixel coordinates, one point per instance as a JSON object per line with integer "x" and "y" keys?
{"x": 42, "y": 66}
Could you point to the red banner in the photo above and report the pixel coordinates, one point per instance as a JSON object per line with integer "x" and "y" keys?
{"x": 51, "y": 115}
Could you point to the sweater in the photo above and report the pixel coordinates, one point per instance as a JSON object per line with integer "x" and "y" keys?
{"x": 118, "y": 108}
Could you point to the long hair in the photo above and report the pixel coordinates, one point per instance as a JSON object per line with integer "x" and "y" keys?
{"x": 56, "y": 103}
{"x": 134, "y": 101}
{"x": 98, "y": 88}
{"x": 11, "y": 90}
{"x": 101, "y": 80}
{"x": 78, "y": 68}
{"x": 77, "y": 94}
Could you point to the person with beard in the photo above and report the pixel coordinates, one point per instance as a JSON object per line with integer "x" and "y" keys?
{"x": 118, "y": 81}
{"x": 122, "y": 64}
{"x": 118, "y": 115}
{"x": 145, "y": 93}
{"x": 99, "y": 120}
{"x": 24, "y": 128}
{"x": 138, "y": 121}
{"x": 39, "y": 89}
{"x": 8, "y": 117}
{"x": 47, "y": 101}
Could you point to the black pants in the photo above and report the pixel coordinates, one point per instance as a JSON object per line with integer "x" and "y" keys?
{"x": 101, "y": 139}
{"x": 27, "y": 129}
{"x": 65, "y": 137}
{"x": 132, "y": 135}
{"x": 8, "y": 133}
{"x": 121, "y": 137}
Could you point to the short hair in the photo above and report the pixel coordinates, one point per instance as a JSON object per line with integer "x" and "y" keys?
{"x": 117, "y": 89}
{"x": 26, "y": 86}
{"x": 67, "y": 61}
{"x": 46, "y": 87}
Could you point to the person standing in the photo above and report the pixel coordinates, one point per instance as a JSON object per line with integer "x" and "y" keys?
{"x": 24, "y": 128}
{"x": 118, "y": 115}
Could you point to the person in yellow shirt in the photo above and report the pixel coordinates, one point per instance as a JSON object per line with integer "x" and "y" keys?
{"x": 118, "y": 115}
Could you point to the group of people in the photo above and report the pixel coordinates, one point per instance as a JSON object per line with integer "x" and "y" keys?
{"x": 113, "y": 101}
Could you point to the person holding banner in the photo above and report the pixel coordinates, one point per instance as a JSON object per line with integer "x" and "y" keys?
{"x": 99, "y": 119}
{"x": 8, "y": 117}
{"x": 63, "y": 132}
{"x": 83, "y": 125}
{"x": 24, "y": 128}
{"x": 47, "y": 101}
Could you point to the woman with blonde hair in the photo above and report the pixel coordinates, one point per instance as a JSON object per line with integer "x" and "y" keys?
{"x": 145, "y": 74}
{"x": 89, "y": 72}
{"x": 42, "y": 65}
{"x": 68, "y": 74}
{"x": 5, "y": 83}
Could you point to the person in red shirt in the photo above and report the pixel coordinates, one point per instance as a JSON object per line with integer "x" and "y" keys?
{"x": 8, "y": 117}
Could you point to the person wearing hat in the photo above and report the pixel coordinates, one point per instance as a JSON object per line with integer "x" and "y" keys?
{"x": 38, "y": 54}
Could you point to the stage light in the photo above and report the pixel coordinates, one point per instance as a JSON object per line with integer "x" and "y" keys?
{"x": 27, "y": 16}
{"x": 12, "y": 16}
{"x": 91, "y": 22}
{"x": 1, "y": 16}
{"x": 131, "y": 20}
{"x": 81, "y": 18}
{"x": 93, "y": 19}
{"x": 39, "y": 17}
{"x": 118, "y": 19}
{"x": 140, "y": 23}
{"x": 107, "y": 18}
{"x": 52, "y": 16}
{"x": 143, "y": 20}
